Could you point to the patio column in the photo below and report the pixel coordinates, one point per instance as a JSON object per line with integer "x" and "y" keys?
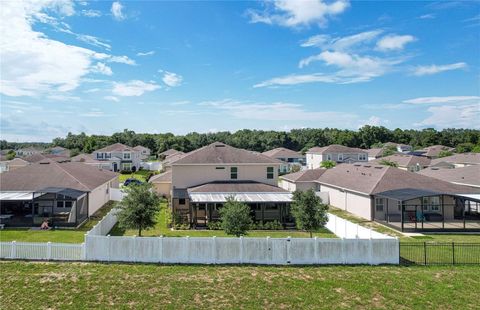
{"x": 462, "y": 201}
{"x": 401, "y": 215}
{"x": 443, "y": 211}
{"x": 386, "y": 215}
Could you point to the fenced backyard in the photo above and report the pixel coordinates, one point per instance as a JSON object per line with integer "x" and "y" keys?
{"x": 439, "y": 253}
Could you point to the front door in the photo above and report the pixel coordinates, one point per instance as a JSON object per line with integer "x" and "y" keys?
{"x": 115, "y": 167}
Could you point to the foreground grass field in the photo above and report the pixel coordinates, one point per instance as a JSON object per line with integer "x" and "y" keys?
{"x": 89, "y": 285}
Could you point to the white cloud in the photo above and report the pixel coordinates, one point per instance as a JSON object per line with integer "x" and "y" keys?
{"x": 445, "y": 99}
{"x": 341, "y": 43}
{"x": 102, "y": 68}
{"x": 91, "y": 13}
{"x": 448, "y": 116}
{"x": 394, "y": 42}
{"x": 64, "y": 98}
{"x": 145, "y": 53}
{"x": 93, "y": 41}
{"x": 278, "y": 111}
{"x": 434, "y": 69}
{"x": 32, "y": 63}
{"x": 294, "y": 79}
{"x": 427, "y": 16}
{"x": 171, "y": 79}
{"x": 111, "y": 98}
{"x": 298, "y": 13}
{"x": 116, "y": 10}
{"x": 374, "y": 121}
{"x": 133, "y": 88}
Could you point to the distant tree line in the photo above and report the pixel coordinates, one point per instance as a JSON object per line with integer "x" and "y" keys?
{"x": 465, "y": 140}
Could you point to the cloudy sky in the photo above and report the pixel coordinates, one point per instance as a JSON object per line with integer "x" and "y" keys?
{"x": 152, "y": 66}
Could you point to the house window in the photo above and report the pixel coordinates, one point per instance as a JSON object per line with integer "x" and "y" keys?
{"x": 108, "y": 155}
{"x": 99, "y": 155}
{"x": 233, "y": 173}
{"x": 269, "y": 172}
{"x": 127, "y": 166}
{"x": 340, "y": 157}
{"x": 59, "y": 204}
{"x": 127, "y": 156}
{"x": 329, "y": 156}
{"x": 220, "y": 168}
{"x": 362, "y": 156}
{"x": 68, "y": 204}
{"x": 379, "y": 203}
{"x": 181, "y": 201}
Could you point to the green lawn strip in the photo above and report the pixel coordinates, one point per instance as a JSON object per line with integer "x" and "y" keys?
{"x": 55, "y": 235}
{"x": 29, "y": 285}
{"x": 161, "y": 229}
{"x": 139, "y": 175}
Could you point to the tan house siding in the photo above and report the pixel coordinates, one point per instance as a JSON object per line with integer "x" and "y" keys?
{"x": 163, "y": 189}
{"x": 185, "y": 176}
{"x": 98, "y": 197}
{"x": 355, "y": 203}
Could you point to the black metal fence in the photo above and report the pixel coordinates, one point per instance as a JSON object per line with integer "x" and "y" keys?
{"x": 439, "y": 253}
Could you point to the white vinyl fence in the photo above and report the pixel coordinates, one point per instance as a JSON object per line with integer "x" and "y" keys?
{"x": 357, "y": 245}
{"x": 116, "y": 194}
{"x": 42, "y": 251}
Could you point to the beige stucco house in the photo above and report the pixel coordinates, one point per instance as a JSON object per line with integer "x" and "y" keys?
{"x": 65, "y": 194}
{"x": 337, "y": 153}
{"x": 203, "y": 179}
{"x": 289, "y": 158}
{"x": 162, "y": 183}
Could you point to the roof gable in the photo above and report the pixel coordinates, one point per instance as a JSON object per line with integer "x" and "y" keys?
{"x": 281, "y": 152}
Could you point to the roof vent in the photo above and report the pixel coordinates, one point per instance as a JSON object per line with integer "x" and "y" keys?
{"x": 367, "y": 166}
{"x": 357, "y": 165}
{"x": 219, "y": 145}
{"x": 378, "y": 167}
{"x": 44, "y": 162}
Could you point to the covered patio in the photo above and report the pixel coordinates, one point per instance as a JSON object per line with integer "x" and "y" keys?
{"x": 61, "y": 207}
{"x": 425, "y": 210}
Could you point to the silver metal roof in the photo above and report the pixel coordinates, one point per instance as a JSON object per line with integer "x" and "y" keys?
{"x": 243, "y": 197}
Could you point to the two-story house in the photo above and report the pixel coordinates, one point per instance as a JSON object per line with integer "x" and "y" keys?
{"x": 119, "y": 156}
{"x": 205, "y": 178}
{"x": 144, "y": 151}
{"x": 337, "y": 153}
{"x": 290, "y": 158}
{"x": 28, "y": 151}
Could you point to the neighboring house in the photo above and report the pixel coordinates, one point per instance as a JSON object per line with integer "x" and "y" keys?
{"x": 9, "y": 165}
{"x": 63, "y": 193}
{"x": 144, "y": 151}
{"x": 406, "y": 162}
{"x": 401, "y": 148}
{"x": 375, "y": 153}
{"x": 162, "y": 183}
{"x": 35, "y": 158}
{"x": 89, "y": 160}
{"x": 166, "y": 164}
{"x": 167, "y": 153}
{"x": 27, "y": 151}
{"x": 301, "y": 180}
{"x": 59, "y": 151}
{"x": 401, "y": 199}
{"x": 289, "y": 157}
{"x": 469, "y": 175}
{"x": 338, "y": 153}
{"x": 457, "y": 160}
{"x": 119, "y": 156}
{"x": 203, "y": 179}
{"x": 433, "y": 151}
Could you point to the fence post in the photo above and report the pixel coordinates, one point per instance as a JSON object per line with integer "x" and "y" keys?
{"x": 315, "y": 248}
{"x": 108, "y": 248}
{"x": 49, "y": 250}
{"x": 425, "y": 252}
{"x": 134, "y": 248}
{"x": 187, "y": 249}
{"x": 370, "y": 252}
{"x": 13, "y": 250}
{"x": 214, "y": 249}
{"x": 268, "y": 248}
{"x": 84, "y": 251}
{"x": 241, "y": 249}
{"x": 161, "y": 249}
{"x": 335, "y": 225}
{"x": 344, "y": 259}
{"x": 357, "y": 231}
{"x": 453, "y": 253}
{"x": 289, "y": 242}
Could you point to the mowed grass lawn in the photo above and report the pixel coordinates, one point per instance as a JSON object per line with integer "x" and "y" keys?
{"x": 28, "y": 285}
{"x": 139, "y": 175}
{"x": 161, "y": 229}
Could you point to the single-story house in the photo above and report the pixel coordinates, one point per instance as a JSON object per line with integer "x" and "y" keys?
{"x": 301, "y": 180}
{"x": 9, "y": 165}
{"x": 457, "y": 160}
{"x": 167, "y": 153}
{"x": 434, "y": 151}
{"x": 162, "y": 183}
{"x": 289, "y": 157}
{"x": 406, "y": 162}
{"x": 401, "y": 199}
{"x": 468, "y": 175}
{"x": 65, "y": 194}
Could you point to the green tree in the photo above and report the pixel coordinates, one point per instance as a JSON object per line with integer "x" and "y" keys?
{"x": 386, "y": 162}
{"x": 139, "y": 208}
{"x": 295, "y": 168}
{"x": 389, "y": 150}
{"x": 327, "y": 164}
{"x": 235, "y": 217}
{"x": 476, "y": 149}
{"x": 308, "y": 210}
{"x": 464, "y": 147}
{"x": 11, "y": 154}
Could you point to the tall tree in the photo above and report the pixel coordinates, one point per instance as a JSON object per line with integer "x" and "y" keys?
{"x": 139, "y": 208}
{"x": 328, "y": 164}
{"x": 308, "y": 210}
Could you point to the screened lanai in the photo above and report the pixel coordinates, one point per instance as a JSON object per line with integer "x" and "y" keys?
{"x": 413, "y": 209}
{"x": 61, "y": 207}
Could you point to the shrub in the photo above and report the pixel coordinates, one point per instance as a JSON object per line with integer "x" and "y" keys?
{"x": 215, "y": 225}
{"x": 235, "y": 217}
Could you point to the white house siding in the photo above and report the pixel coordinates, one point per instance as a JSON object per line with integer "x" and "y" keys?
{"x": 185, "y": 176}
{"x": 99, "y": 196}
{"x": 287, "y": 185}
{"x": 315, "y": 160}
{"x": 355, "y": 203}
{"x": 301, "y": 186}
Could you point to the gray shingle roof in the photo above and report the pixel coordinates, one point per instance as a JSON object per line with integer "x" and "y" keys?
{"x": 281, "y": 152}
{"x": 165, "y": 177}
{"x": 434, "y": 150}
{"x": 335, "y": 148}
{"x": 52, "y": 174}
{"x": 465, "y": 175}
{"x": 464, "y": 158}
{"x": 404, "y": 160}
{"x": 309, "y": 175}
{"x": 169, "y": 152}
{"x": 116, "y": 147}
{"x": 220, "y": 153}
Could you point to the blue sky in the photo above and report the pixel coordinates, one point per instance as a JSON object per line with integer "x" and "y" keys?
{"x": 153, "y": 66}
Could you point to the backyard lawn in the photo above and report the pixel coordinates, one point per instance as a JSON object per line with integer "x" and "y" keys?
{"x": 162, "y": 229}
{"x": 139, "y": 175}
{"x": 35, "y": 285}
{"x": 55, "y": 235}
